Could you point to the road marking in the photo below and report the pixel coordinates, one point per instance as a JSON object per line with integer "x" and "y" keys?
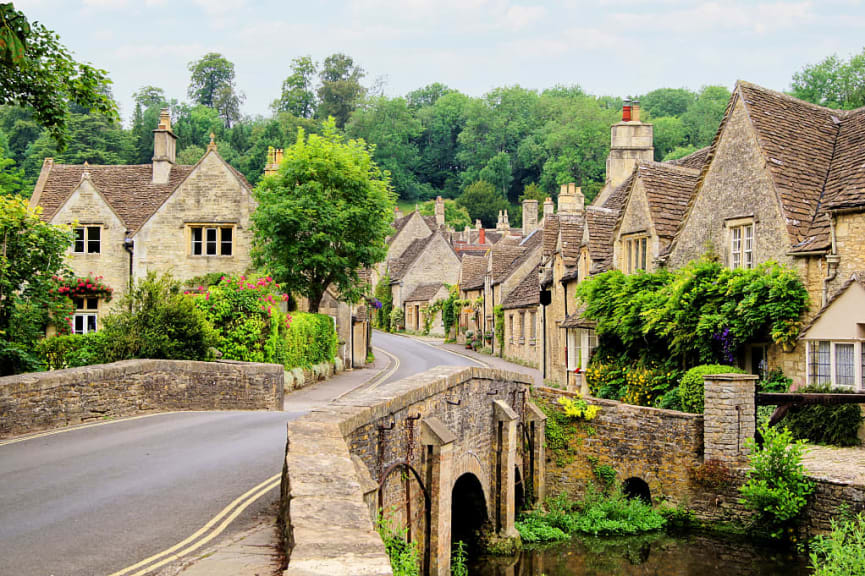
{"x": 419, "y": 341}
{"x": 238, "y": 505}
{"x": 382, "y": 377}
{"x": 81, "y": 427}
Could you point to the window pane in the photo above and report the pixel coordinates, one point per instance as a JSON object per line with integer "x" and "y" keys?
{"x": 749, "y": 246}
{"x": 92, "y": 303}
{"x": 91, "y": 322}
{"x": 736, "y": 247}
{"x": 225, "y": 248}
{"x": 643, "y": 252}
{"x": 824, "y": 374}
{"x": 79, "y": 240}
{"x": 79, "y": 324}
{"x": 93, "y": 237}
{"x": 79, "y": 303}
{"x": 196, "y": 241}
{"x": 845, "y": 371}
{"x": 211, "y": 241}
{"x": 628, "y": 267}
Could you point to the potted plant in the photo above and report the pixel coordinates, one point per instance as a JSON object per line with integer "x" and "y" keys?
{"x": 470, "y": 335}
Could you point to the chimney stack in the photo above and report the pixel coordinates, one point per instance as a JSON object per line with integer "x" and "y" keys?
{"x": 530, "y": 216}
{"x": 635, "y": 111}
{"x": 500, "y": 223}
{"x": 549, "y": 207}
{"x": 440, "y": 211}
{"x": 626, "y": 110}
{"x": 571, "y": 200}
{"x": 482, "y": 235}
{"x": 164, "y": 148}
{"x": 505, "y": 223}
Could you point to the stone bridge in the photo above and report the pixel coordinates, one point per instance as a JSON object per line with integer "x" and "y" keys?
{"x": 439, "y": 455}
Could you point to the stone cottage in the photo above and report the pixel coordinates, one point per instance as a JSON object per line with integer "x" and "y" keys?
{"x": 417, "y": 305}
{"x": 160, "y": 217}
{"x": 473, "y": 270}
{"x": 520, "y": 308}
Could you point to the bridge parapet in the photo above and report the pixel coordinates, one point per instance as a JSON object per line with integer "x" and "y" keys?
{"x": 402, "y": 448}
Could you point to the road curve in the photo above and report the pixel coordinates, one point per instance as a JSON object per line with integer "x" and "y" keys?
{"x": 92, "y": 501}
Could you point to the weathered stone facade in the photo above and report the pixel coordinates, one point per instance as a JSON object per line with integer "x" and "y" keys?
{"x": 45, "y": 400}
{"x": 422, "y": 433}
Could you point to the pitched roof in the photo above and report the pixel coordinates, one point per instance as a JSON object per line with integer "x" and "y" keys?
{"x": 668, "y": 191}
{"x": 128, "y": 189}
{"x": 856, "y": 277}
{"x": 551, "y": 233}
{"x": 530, "y": 244}
{"x": 502, "y": 257}
{"x": 526, "y": 294}
{"x": 576, "y": 320}
{"x": 399, "y": 266}
{"x": 601, "y": 223}
{"x": 401, "y": 222}
{"x": 694, "y": 160}
{"x": 571, "y": 231}
{"x": 845, "y": 187}
{"x": 424, "y": 292}
{"x": 472, "y": 272}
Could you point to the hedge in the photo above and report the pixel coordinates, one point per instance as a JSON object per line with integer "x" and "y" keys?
{"x": 310, "y": 339}
{"x": 691, "y": 392}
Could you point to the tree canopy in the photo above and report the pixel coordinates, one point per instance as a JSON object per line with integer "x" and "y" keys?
{"x": 833, "y": 82}
{"x": 212, "y": 84}
{"x": 324, "y": 216}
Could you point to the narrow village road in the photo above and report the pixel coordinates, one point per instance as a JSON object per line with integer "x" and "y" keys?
{"x": 96, "y": 500}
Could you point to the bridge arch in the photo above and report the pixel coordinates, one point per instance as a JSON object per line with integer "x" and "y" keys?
{"x": 470, "y": 463}
{"x": 469, "y": 510}
{"x": 635, "y": 487}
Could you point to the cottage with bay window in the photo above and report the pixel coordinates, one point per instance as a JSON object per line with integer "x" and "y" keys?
{"x": 161, "y": 217}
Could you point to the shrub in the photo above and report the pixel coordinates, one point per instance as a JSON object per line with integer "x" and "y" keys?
{"x": 310, "y": 339}
{"x": 842, "y": 551}
{"x": 836, "y": 425}
{"x": 712, "y": 474}
{"x": 404, "y": 556}
{"x": 384, "y": 294}
{"x": 691, "y": 385}
{"x": 499, "y": 327}
{"x": 156, "y": 320}
{"x": 776, "y": 487}
{"x": 633, "y": 384}
{"x": 397, "y": 317}
{"x": 72, "y": 350}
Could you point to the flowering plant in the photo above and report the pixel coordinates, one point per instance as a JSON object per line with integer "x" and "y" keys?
{"x": 83, "y": 287}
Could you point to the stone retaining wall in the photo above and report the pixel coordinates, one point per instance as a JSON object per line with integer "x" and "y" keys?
{"x": 46, "y": 400}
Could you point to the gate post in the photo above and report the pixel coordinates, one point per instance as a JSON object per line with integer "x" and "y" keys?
{"x": 728, "y": 416}
{"x": 438, "y": 440}
{"x": 506, "y": 461}
{"x": 536, "y": 421}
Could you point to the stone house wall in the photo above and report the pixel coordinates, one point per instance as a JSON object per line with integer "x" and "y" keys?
{"x": 211, "y": 194}
{"x": 636, "y": 220}
{"x": 87, "y": 207}
{"x": 522, "y": 346}
{"x": 437, "y": 263}
{"x": 414, "y": 229}
{"x": 46, "y": 400}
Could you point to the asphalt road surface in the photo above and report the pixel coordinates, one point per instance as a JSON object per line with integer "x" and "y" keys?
{"x": 96, "y": 500}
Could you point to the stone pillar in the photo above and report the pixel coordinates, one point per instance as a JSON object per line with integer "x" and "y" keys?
{"x": 728, "y": 417}
{"x": 536, "y": 422}
{"x": 440, "y": 211}
{"x": 549, "y": 207}
{"x": 437, "y": 441}
{"x": 530, "y": 216}
{"x": 506, "y": 460}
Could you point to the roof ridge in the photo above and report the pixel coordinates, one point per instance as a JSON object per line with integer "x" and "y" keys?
{"x": 666, "y": 166}
{"x": 793, "y": 99}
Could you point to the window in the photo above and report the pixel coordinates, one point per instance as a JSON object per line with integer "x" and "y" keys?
{"x": 840, "y": 364}
{"x": 636, "y": 254}
{"x": 592, "y": 338}
{"x": 84, "y": 319}
{"x": 533, "y": 328}
{"x": 522, "y": 327}
{"x": 574, "y": 351}
{"x": 513, "y": 327}
{"x": 211, "y": 240}
{"x": 87, "y": 240}
{"x": 742, "y": 246}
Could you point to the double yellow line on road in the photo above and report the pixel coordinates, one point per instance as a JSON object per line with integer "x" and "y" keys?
{"x": 205, "y": 534}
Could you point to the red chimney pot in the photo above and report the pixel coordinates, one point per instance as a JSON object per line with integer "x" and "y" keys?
{"x": 482, "y": 236}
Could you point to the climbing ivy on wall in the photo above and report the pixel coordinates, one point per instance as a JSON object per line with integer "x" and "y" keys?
{"x": 701, "y": 314}
{"x": 383, "y": 294}
{"x": 499, "y": 316}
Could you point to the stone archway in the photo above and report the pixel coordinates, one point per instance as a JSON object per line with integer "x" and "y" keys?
{"x": 468, "y": 509}
{"x": 637, "y": 488}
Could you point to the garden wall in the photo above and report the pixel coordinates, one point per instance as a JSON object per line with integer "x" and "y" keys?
{"x": 45, "y": 400}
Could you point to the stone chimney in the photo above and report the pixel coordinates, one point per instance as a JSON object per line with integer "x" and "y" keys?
{"x": 440, "y": 211}
{"x": 530, "y": 216}
{"x": 478, "y": 223}
{"x": 626, "y": 110}
{"x": 631, "y": 141}
{"x": 549, "y": 207}
{"x": 505, "y": 224}
{"x": 482, "y": 235}
{"x": 274, "y": 159}
{"x": 164, "y": 148}
{"x": 571, "y": 199}
{"x": 635, "y": 111}
{"x": 500, "y": 223}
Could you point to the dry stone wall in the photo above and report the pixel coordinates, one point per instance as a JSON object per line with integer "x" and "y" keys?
{"x": 46, "y": 400}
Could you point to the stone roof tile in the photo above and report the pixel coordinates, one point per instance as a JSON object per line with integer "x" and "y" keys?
{"x": 472, "y": 272}
{"x": 526, "y": 294}
{"x": 424, "y": 292}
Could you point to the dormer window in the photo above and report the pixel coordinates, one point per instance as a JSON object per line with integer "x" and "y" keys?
{"x": 636, "y": 252}
{"x": 87, "y": 240}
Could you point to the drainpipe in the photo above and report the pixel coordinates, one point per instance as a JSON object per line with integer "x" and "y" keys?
{"x": 129, "y": 246}
{"x": 567, "y": 352}
{"x": 832, "y": 261}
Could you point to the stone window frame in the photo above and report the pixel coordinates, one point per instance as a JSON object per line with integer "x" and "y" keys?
{"x": 522, "y": 332}
{"x": 220, "y": 242}
{"x": 582, "y": 343}
{"x": 87, "y": 312}
{"x": 86, "y": 239}
{"x": 635, "y": 252}
{"x": 512, "y": 318}
{"x": 738, "y": 252}
{"x": 533, "y": 328}
{"x": 814, "y": 352}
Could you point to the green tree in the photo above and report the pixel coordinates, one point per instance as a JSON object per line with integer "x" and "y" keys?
{"x": 149, "y": 100}
{"x": 31, "y": 253}
{"x": 533, "y": 192}
{"x": 455, "y": 214}
{"x": 702, "y": 119}
{"x": 39, "y": 72}
{"x": 833, "y": 82}
{"x": 298, "y": 96}
{"x": 667, "y": 102}
{"x": 438, "y": 144}
{"x": 212, "y": 84}
{"x": 323, "y": 216}
{"x": 483, "y": 201}
{"x": 427, "y": 96}
{"x": 669, "y": 135}
{"x": 340, "y": 90}
{"x": 11, "y": 177}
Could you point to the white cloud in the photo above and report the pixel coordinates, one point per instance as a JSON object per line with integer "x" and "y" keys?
{"x": 109, "y": 4}
{"x": 520, "y": 17}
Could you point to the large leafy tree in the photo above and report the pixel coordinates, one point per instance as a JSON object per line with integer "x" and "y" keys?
{"x": 324, "y": 216}
{"x": 31, "y": 253}
{"x": 667, "y": 101}
{"x": 833, "y": 82}
{"x": 340, "y": 90}
{"x": 298, "y": 96}
{"x": 702, "y": 119}
{"x": 36, "y": 70}
{"x": 455, "y": 214}
{"x": 483, "y": 201}
{"x": 212, "y": 84}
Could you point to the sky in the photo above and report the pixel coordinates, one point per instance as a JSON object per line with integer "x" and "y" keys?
{"x": 609, "y": 47}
